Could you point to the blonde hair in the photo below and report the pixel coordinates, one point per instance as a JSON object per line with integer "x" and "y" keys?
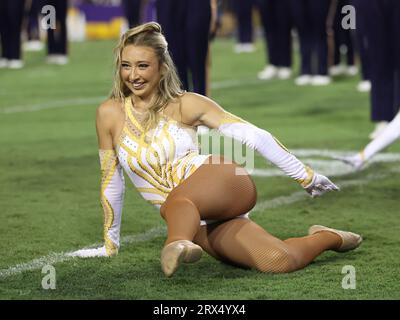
{"x": 169, "y": 86}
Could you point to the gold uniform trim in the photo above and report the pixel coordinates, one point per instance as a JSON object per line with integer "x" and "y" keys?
{"x": 108, "y": 166}
{"x": 143, "y": 175}
{"x": 280, "y": 144}
{"x": 131, "y": 117}
{"x": 156, "y": 202}
{"x": 231, "y": 118}
{"x": 153, "y": 191}
{"x": 147, "y": 178}
{"x": 310, "y": 175}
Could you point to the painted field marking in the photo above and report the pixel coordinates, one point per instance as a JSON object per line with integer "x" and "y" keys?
{"x": 98, "y": 99}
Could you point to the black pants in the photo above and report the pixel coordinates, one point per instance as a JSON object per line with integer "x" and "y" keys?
{"x": 243, "y": 12}
{"x": 383, "y": 33}
{"x": 342, "y": 36}
{"x": 310, "y": 18}
{"x": 32, "y": 16}
{"x": 186, "y": 26}
{"x": 11, "y": 14}
{"x": 277, "y": 24}
{"x": 361, "y": 39}
{"x": 132, "y": 11}
{"x": 57, "y": 38}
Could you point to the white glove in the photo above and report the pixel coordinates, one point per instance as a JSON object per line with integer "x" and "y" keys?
{"x": 356, "y": 161}
{"x": 319, "y": 185}
{"x": 89, "y": 253}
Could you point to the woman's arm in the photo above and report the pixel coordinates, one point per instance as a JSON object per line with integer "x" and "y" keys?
{"x": 112, "y": 178}
{"x": 389, "y": 135}
{"x": 199, "y": 110}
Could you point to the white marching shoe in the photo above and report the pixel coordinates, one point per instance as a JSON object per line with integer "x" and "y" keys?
{"x": 351, "y": 71}
{"x": 33, "y": 45}
{"x": 15, "y": 64}
{"x": 3, "y": 63}
{"x": 364, "y": 86}
{"x": 320, "y": 80}
{"x": 284, "y": 73}
{"x": 58, "y": 59}
{"x": 337, "y": 70}
{"x": 303, "y": 80}
{"x": 244, "y": 48}
{"x": 350, "y": 240}
{"x": 268, "y": 73}
{"x": 174, "y": 253}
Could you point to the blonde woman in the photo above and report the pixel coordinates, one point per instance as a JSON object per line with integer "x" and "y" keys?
{"x": 147, "y": 128}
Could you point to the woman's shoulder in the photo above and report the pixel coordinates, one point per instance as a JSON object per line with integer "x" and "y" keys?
{"x": 109, "y": 112}
{"x": 110, "y": 106}
{"x": 192, "y": 97}
{"x": 193, "y": 105}
{"x": 187, "y": 107}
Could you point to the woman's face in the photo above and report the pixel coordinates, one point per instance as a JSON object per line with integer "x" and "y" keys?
{"x": 140, "y": 70}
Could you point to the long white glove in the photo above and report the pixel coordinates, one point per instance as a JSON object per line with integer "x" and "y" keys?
{"x": 272, "y": 150}
{"x": 112, "y": 198}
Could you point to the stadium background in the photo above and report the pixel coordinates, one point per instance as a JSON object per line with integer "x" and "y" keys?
{"x": 50, "y": 182}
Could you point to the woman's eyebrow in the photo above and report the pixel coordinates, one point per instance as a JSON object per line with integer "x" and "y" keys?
{"x": 140, "y": 61}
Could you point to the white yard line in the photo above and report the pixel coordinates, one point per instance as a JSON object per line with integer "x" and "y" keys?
{"x": 54, "y": 257}
{"x": 96, "y": 100}
{"x": 330, "y": 167}
{"x": 153, "y": 233}
{"x": 301, "y": 195}
{"x": 53, "y": 105}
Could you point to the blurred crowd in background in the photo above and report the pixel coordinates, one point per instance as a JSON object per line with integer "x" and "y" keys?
{"x": 331, "y": 38}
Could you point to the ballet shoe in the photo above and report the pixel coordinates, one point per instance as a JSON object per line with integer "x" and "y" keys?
{"x": 350, "y": 240}
{"x": 174, "y": 253}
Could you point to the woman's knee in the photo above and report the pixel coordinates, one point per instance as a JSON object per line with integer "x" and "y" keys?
{"x": 174, "y": 204}
{"x": 276, "y": 260}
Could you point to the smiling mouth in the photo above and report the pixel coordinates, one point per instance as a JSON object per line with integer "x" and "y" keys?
{"x": 138, "y": 85}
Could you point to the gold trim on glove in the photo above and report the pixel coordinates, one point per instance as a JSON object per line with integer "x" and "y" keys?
{"x": 108, "y": 166}
{"x": 230, "y": 118}
{"x": 307, "y": 181}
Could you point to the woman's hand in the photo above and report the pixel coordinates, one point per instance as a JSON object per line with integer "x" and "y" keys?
{"x": 90, "y": 253}
{"x": 319, "y": 185}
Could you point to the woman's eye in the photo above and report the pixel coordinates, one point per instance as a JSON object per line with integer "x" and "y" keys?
{"x": 125, "y": 66}
{"x": 143, "y": 66}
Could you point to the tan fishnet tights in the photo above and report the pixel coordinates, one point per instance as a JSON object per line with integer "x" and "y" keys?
{"x": 216, "y": 192}
{"x": 242, "y": 242}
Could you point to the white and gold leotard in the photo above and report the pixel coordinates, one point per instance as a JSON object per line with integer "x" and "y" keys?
{"x": 160, "y": 160}
{"x": 155, "y": 161}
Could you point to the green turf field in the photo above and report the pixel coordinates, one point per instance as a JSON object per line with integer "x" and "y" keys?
{"x": 50, "y": 185}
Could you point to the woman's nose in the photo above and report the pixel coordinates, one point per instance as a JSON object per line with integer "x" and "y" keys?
{"x": 133, "y": 74}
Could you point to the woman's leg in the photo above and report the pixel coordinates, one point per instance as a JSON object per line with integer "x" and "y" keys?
{"x": 242, "y": 242}
{"x": 217, "y": 190}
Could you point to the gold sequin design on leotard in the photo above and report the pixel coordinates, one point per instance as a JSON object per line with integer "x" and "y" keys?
{"x": 160, "y": 159}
